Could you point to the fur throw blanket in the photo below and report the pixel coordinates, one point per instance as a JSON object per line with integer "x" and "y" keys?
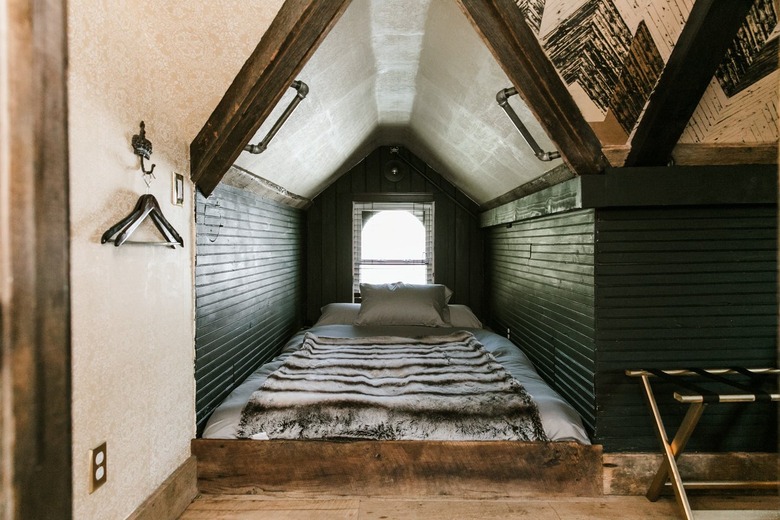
{"x": 436, "y": 388}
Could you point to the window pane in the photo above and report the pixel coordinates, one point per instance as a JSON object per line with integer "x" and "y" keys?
{"x": 392, "y": 242}
{"x": 393, "y": 235}
{"x": 393, "y": 273}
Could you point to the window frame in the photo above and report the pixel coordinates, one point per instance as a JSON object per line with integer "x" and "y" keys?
{"x": 423, "y": 210}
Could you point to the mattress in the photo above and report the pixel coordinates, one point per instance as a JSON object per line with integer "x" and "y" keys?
{"x": 559, "y": 419}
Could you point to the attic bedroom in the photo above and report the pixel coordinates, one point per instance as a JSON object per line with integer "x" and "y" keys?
{"x": 590, "y": 185}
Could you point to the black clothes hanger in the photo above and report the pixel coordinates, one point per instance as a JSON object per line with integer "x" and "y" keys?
{"x": 146, "y": 206}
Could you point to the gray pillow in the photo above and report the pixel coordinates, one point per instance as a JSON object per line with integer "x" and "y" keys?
{"x": 462, "y": 316}
{"x": 403, "y": 304}
{"x": 338, "y": 314}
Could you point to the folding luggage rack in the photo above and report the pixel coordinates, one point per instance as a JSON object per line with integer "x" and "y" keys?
{"x": 736, "y": 390}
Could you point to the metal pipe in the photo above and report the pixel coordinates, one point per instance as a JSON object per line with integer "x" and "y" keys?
{"x": 302, "y": 89}
{"x": 502, "y": 97}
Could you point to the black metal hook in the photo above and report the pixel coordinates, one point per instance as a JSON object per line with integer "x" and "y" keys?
{"x": 143, "y": 148}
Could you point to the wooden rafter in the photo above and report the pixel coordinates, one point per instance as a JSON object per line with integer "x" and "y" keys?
{"x": 517, "y": 50}
{"x": 710, "y": 29}
{"x": 292, "y": 38}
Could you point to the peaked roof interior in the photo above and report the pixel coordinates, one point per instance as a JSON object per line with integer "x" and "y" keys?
{"x": 604, "y": 82}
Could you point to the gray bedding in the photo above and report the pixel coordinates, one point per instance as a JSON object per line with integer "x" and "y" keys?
{"x": 559, "y": 420}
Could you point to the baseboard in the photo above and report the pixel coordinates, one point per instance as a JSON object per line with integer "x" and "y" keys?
{"x": 631, "y": 473}
{"x": 173, "y": 496}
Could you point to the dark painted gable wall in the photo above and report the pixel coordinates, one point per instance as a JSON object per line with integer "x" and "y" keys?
{"x": 252, "y": 258}
{"x": 458, "y": 243}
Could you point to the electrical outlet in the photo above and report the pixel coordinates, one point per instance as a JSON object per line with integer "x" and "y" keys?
{"x": 97, "y": 467}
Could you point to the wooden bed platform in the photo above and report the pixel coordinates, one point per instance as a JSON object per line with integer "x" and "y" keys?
{"x": 398, "y": 468}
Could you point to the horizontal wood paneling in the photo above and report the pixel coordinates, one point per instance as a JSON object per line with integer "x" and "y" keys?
{"x": 589, "y": 293}
{"x": 249, "y": 288}
{"x": 542, "y": 293}
{"x": 679, "y": 287}
{"x": 458, "y": 242}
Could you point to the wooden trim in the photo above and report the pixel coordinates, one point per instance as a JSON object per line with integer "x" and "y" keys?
{"x": 707, "y": 35}
{"x": 681, "y": 186}
{"x": 691, "y": 154}
{"x": 35, "y": 281}
{"x": 565, "y": 196}
{"x": 287, "y": 45}
{"x": 398, "y": 468}
{"x": 631, "y": 473}
{"x": 173, "y": 496}
{"x": 244, "y": 180}
{"x": 616, "y": 154}
{"x": 649, "y": 186}
{"x": 703, "y": 154}
{"x": 555, "y": 176}
{"x": 516, "y": 49}
{"x": 391, "y": 197}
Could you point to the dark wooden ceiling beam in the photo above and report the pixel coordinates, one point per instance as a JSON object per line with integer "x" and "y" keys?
{"x": 287, "y": 45}
{"x": 517, "y": 50}
{"x": 707, "y": 35}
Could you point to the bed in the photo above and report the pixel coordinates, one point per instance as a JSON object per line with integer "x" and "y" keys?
{"x": 559, "y": 420}
{"x": 394, "y": 315}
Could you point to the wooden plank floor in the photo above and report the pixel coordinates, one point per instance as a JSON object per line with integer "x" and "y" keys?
{"x": 281, "y": 507}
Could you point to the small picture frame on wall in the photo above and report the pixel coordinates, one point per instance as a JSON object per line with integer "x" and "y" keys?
{"x": 178, "y": 189}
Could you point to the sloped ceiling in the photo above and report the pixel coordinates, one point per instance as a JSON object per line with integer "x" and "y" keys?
{"x": 416, "y": 73}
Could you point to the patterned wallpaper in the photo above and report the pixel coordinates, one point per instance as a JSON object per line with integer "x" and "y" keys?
{"x": 753, "y": 55}
{"x": 615, "y": 50}
{"x": 163, "y": 61}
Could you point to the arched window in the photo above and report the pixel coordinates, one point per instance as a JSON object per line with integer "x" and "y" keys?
{"x": 392, "y": 242}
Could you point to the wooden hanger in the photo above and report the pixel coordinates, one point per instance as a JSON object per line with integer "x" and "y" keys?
{"x": 146, "y": 206}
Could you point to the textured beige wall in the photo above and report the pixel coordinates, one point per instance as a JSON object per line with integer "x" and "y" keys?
{"x": 167, "y": 63}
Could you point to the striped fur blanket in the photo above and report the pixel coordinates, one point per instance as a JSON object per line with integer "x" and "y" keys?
{"x": 436, "y": 387}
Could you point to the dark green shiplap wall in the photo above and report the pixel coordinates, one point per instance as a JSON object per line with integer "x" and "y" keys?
{"x": 458, "y": 239}
{"x": 590, "y": 293}
{"x": 679, "y": 287}
{"x": 248, "y": 288}
{"x": 541, "y": 289}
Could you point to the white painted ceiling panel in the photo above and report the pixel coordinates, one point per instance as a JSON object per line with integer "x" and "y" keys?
{"x": 334, "y": 119}
{"x": 456, "y": 113}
